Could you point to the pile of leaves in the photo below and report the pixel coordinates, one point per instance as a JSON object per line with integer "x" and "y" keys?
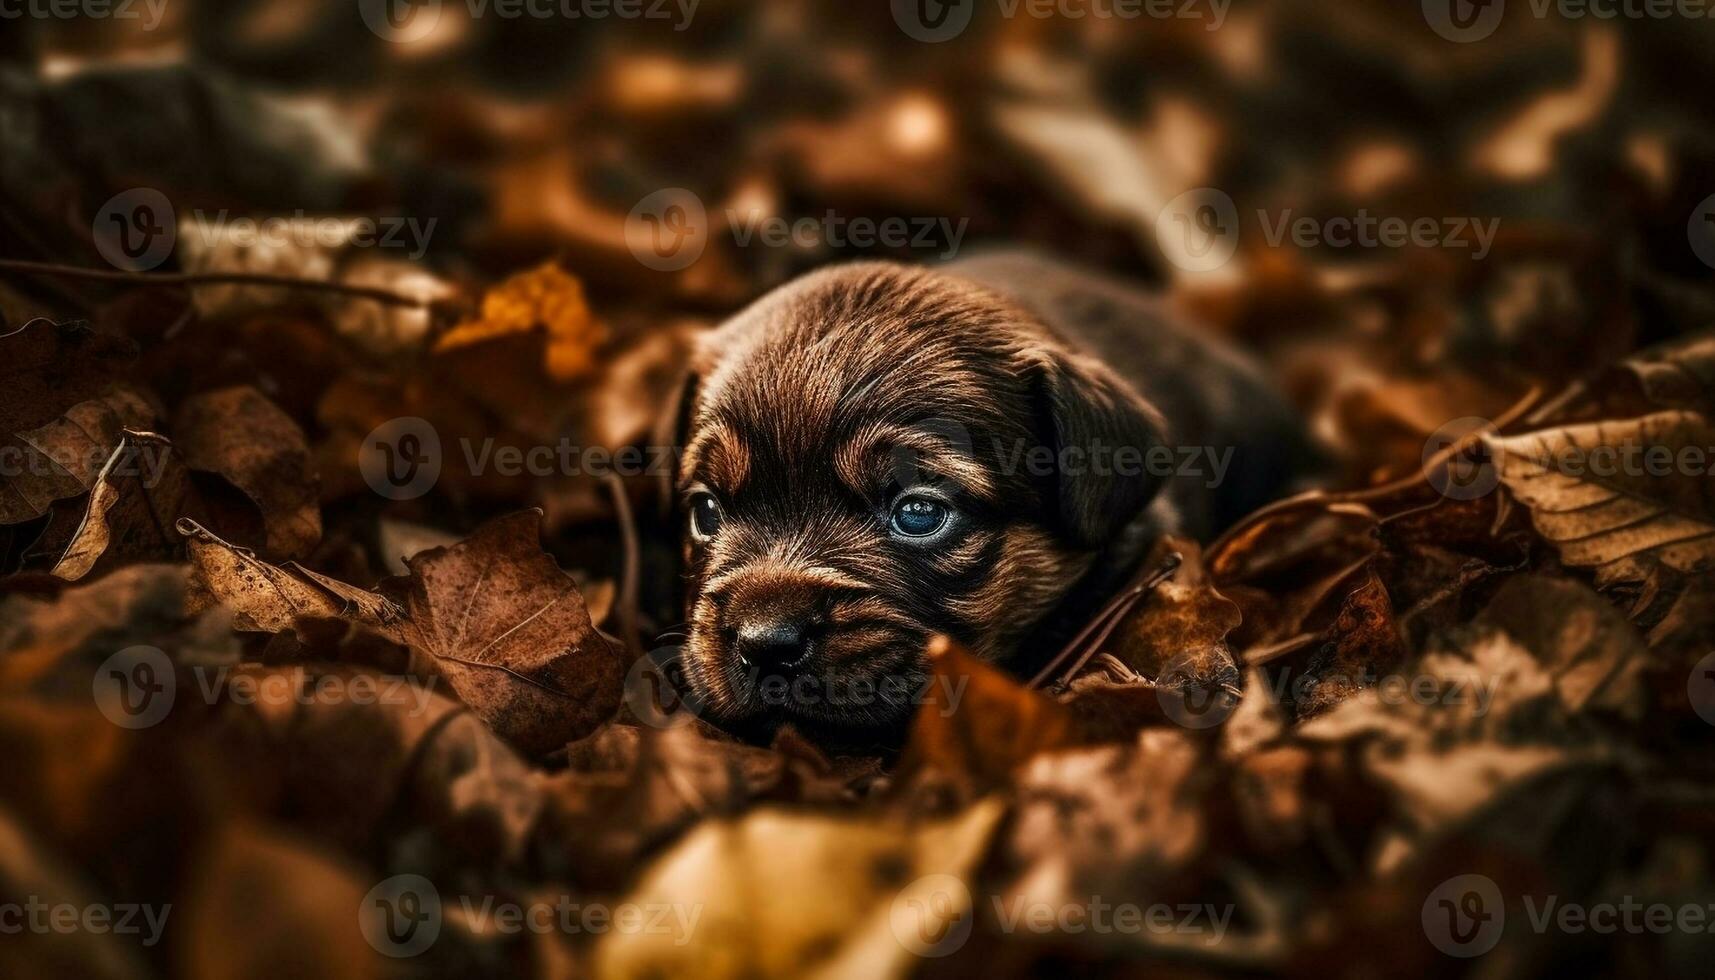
{"x": 1453, "y": 660}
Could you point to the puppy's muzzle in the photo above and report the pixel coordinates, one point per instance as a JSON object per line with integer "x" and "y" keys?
{"x": 773, "y": 619}
{"x": 771, "y": 643}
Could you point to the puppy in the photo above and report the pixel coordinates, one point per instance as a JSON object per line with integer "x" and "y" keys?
{"x": 875, "y": 453}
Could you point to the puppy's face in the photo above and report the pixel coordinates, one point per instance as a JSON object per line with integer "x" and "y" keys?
{"x": 855, "y": 477}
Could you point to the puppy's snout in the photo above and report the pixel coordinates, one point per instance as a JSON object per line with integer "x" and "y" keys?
{"x": 772, "y": 643}
{"x": 772, "y": 618}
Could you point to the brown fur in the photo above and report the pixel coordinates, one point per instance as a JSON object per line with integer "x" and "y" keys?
{"x": 809, "y": 410}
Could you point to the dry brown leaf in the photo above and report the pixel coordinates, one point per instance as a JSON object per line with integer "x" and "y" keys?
{"x": 511, "y": 634}
{"x": 87, "y": 623}
{"x": 1596, "y": 496}
{"x": 880, "y": 894}
{"x": 269, "y": 598}
{"x": 1677, "y": 374}
{"x": 1115, "y": 812}
{"x": 244, "y": 437}
{"x": 1361, "y": 645}
{"x": 977, "y": 723}
{"x": 1593, "y": 653}
{"x": 46, "y": 366}
{"x": 1480, "y": 718}
{"x": 320, "y": 732}
{"x": 548, "y": 297}
{"x": 629, "y": 788}
{"x": 29, "y": 867}
{"x": 256, "y": 898}
{"x": 1178, "y": 636}
{"x": 141, "y": 491}
{"x": 64, "y": 457}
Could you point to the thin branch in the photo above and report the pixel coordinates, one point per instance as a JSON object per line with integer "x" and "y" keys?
{"x": 1090, "y": 639}
{"x": 193, "y": 279}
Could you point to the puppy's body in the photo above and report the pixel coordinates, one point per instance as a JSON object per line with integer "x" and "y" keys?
{"x": 875, "y": 453}
{"x": 1209, "y": 395}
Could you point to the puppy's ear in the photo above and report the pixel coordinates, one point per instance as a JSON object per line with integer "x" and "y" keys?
{"x": 1102, "y": 431}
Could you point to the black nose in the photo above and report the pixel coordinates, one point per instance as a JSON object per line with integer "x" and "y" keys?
{"x": 771, "y": 644}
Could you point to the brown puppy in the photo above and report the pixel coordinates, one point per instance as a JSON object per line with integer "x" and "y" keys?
{"x": 875, "y": 453}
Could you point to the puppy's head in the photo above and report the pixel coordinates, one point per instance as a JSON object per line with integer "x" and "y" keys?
{"x": 873, "y": 454}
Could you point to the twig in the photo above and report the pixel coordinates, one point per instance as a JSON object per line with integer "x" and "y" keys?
{"x": 162, "y": 279}
{"x": 1093, "y": 635}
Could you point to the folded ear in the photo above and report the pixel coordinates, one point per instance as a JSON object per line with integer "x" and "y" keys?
{"x": 1103, "y": 432}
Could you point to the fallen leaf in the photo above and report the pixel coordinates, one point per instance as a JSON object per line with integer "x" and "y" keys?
{"x": 1178, "y": 636}
{"x": 258, "y": 894}
{"x": 1123, "y": 812}
{"x": 141, "y": 491}
{"x": 28, "y": 867}
{"x": 244, "y": 437}
{"x": 977, "y": 724}
{"x": 509, "y": 631}
{"x": 50, "y": 366}
{"x": 63, "y": 458}
{"x": 547, "y": 297}
{"x": 1361, "y": 646}
{"x": 1676, "y": 374}
{"x": 269, "y": 598}
{"x": 1594, "y": 493}
{"x": 881, "y": 893}
{"x": 1594, "y": 655}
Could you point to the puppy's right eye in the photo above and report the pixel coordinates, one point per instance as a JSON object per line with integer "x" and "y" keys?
{"x": 918, "y": 517}
{"x": 705, "y": 516}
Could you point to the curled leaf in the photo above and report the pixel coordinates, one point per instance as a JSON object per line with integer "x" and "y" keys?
{"x": 269, "y": 598}
{"x": 141, "y": 490}
{"x": 244, "y": 437}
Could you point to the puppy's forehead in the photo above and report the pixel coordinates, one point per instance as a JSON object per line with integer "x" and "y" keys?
{"x": 854, "y": 357}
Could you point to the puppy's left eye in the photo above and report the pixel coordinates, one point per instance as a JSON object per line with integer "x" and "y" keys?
{"x": 705, "y": 516}
{"x": 918, "y": 517}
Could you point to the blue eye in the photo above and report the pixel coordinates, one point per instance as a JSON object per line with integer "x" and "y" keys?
{"x": 705, "y": 516}
{"x": 918, "y": 517}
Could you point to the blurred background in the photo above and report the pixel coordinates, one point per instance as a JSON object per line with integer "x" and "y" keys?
{"x": 489, "y": 138}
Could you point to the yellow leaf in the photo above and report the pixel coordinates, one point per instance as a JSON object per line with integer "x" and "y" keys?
{"x": 546, "y": 297}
